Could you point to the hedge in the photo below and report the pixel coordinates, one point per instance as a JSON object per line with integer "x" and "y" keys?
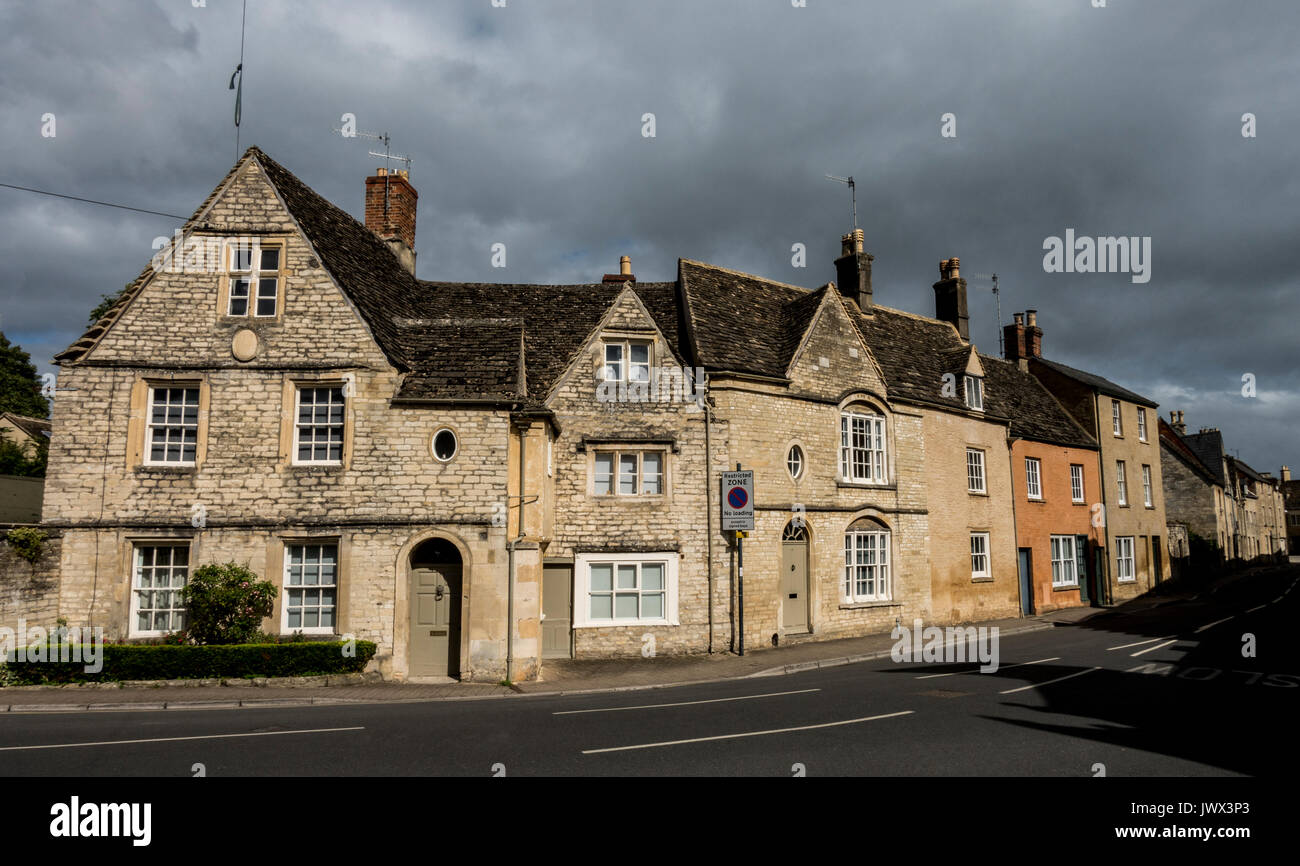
{"x": 145, "y": 662}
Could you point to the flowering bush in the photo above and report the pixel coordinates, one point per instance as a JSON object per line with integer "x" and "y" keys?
{"x": 225, "y": 604}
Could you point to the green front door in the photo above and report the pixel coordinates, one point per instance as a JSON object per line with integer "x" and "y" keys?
{"x": 435, "y": 621}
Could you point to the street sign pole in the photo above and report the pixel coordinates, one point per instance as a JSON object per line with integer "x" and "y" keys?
{"x": 738, "y": 517}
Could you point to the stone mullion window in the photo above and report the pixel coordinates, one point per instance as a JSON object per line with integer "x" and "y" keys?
{"x": 254, "y": 280}
{"x": 319, "y": 423}
{"x": 311, "y": 588}
{"x": 173, "y": 427}
{"x": 866, "y": 566}
{"x": 629, "y": 473}
{"x": 159, "y": 572}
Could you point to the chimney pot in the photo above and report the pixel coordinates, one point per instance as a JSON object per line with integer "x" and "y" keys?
{"x": 1286, "y": 473}
{"x": 625, "y": 265}
{"x": 624, "y": 274}
{"x": 1019, "y": 318}
{"x": 1031, "y": 318}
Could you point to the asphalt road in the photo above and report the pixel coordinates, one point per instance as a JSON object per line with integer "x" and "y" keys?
{"x": 1164, "y": 693}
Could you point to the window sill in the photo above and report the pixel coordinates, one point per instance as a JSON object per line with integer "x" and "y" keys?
{"x": 657, "y": 498}
{"x": 314, "y": 467}
{"x": 983, "y": 493}
{"x": 1065, "y": 588}
{"x": 163, "y": 469}
{"x": 865, "y": 485}
{"x": 1032, "y": 501}
{"x": 866, "y": 605}
{"x": 984, "y": 579}
{"x": 627, "y": 623}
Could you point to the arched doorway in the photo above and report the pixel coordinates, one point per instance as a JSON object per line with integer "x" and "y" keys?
{"x": 435, "y": 609}
{"x": 794, "y": 578}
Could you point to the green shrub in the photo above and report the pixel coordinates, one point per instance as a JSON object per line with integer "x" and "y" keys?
{"x": 164, "y": 662}
{"x": 225, "y": 604}
{"x": 26, "y": 541}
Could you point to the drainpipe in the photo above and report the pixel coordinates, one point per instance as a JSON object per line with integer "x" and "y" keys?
{"x": 708, "y": 507}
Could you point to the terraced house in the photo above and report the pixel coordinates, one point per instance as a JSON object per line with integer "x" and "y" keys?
{"x": 480, "y": 477}
{"x": 1131, "y": 506}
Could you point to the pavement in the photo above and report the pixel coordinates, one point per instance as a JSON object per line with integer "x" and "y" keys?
{"x": 559, "y": 677}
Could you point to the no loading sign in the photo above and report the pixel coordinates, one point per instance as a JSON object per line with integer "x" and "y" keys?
{"x": 738, "y": 500}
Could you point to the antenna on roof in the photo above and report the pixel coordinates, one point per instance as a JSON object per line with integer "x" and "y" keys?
{"x": 997, "y": 297}
{"x": 387, "y": 156}
{"x": 853, "y": 190}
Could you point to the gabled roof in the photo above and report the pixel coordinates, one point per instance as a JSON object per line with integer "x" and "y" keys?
{"x": 555, "y": 321}
{"x": 1209, "y": 448}
{"x": 1105, "y": 386}
{"x": 1244, "y": 469}
{"x": 1033, "y": 411}
{"x": 743, "y": 323}
{"x": 1174, "y": 443}
{"x": 36, "y": 428}
{"x": 915, "y": 352}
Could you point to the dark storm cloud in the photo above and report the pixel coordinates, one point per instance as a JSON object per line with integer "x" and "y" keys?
{"x": 524, "y": 123}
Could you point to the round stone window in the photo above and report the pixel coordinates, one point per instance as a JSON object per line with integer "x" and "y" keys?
{"x": 444, "y": 445}
{"x": 794, "y": 461}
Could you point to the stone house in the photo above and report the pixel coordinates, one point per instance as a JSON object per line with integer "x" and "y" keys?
{"x": 1253, "y": 521}
{"x": 1195, "y": 497}
{"x": 1132, "y": 496}
{"x": 481, "y": 477}
{"x": 1291, "y": 505}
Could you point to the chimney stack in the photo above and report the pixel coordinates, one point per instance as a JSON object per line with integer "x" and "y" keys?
{"x": 1013, "y": 339}
{"x": 950, "y": 297}
{"x": 1286, "y": 474}
{"x": 1176, "y": 421}
{"x": 1033, "y": 334}
{"x": 853, "y": 270}
{"x": 624, "y": 274}
{"x": 390, "y": 213}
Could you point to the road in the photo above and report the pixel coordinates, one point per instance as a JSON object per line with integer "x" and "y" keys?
{"x": 1164, "y": 693}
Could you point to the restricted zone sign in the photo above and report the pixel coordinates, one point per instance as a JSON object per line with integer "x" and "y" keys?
{"x": 738, "y": 500}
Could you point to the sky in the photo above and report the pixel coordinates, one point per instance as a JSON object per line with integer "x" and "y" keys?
{"x": 977, "y": 130}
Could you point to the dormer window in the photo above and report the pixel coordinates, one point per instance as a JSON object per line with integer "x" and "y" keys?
{"x": 974, "y": 388}
{"x": 253, "y": 287}
{"x": 626, "y": 361}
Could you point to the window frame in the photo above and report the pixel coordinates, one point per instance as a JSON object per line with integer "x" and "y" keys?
{"x": 625, "y": 363}
{"x": 297, "y": 424}
{"x": 255, "y": 274}
{"x": 1148, "y": 492}
{"x": 152, "y": 388}
{"x": 973, "y": 387}
{"x": 877, "y": 430}
{"x": 287, "y": 588}
{"x": 1034, "y": 479}
{"x": 1120, "y": 559}
{"x": 986, "y": 553}
{"x": 1142, "y": 424}
{"x": 137, "y": 549}
{"x": 1082, "y": 496}
{"x": 433, "y": 441}
{"x": 882, "y": 579}
{"x": 1121, "y": 483}
{"x": 1067, "y": 543}
{"x": 616, "y": 457}
{"x": 1116, "y": 419}
{"x": 582, "y": 592}
{"x": 794, "y": 461}
{"x": 982, "y": 475}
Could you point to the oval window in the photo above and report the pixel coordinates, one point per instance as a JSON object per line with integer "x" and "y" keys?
{"x": 794, "y": 461}
{"x": 444, "y": 445}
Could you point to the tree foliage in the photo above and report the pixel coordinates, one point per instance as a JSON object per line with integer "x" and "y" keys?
{"x": 20, "y": 385}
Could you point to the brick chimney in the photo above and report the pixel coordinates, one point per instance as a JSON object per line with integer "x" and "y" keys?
{"x": 950, "y": 297}
{"x": 1033, "y": 334}
{"x": 1013, "y": 339}
{"x": 390, "y": 213}
{"x": 853, "y": 270}
{"x": 624, "y": 274}
{"x": 1176, "y": 422}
